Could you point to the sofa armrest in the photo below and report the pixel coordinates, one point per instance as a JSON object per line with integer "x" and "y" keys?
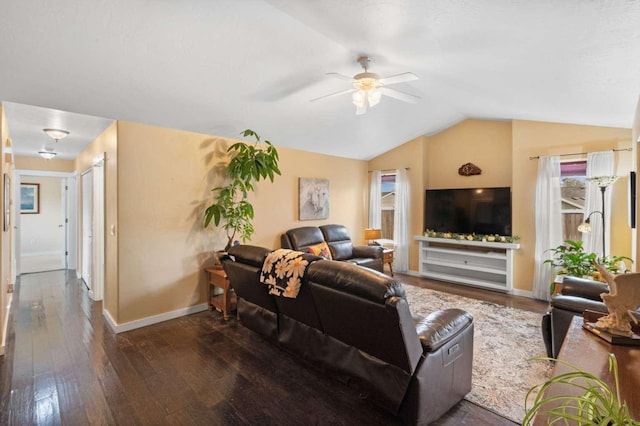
{"x": 585, "y": 288}
{"x": 374, "y": 252}
{"x": 440, "y": 327}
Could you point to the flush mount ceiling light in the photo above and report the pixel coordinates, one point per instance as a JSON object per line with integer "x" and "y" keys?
{"x": 56, "y": 134}
{"x": 47, "y": 153}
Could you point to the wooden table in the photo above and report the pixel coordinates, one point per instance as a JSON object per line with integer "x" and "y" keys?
{"x": 590, "y": 353}
{"x": 387, "y": 257}
{"x": 224, "y": 302}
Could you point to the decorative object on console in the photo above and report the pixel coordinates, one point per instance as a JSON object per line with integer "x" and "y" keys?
{"x": 622, "y": 299}
{"x": 249, "y": 165}
{"x": 469, "y": 169}
{"x": 313, "y": 196}
{"x": 371, "y": 235}
{"x": 473, "y": 237}
{"x": 368, "y": 87}
{"x": 603, "y": 182}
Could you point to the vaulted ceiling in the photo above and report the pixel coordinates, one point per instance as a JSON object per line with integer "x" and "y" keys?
{"x": 218, "y": 67}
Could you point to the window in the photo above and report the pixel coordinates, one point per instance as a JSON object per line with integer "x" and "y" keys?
{"x": 572, "y": 191}
{"x": 388, "y": 202}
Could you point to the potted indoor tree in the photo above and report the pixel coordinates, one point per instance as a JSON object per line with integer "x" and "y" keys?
{"x": 249, "y": 164}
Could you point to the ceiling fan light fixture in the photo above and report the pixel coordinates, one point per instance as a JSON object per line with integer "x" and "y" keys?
{"x": 359, "y": 98}
{"x": 47, "y": 154}
{"x": 56, "y": 134}
{"x": 373, "y": 96}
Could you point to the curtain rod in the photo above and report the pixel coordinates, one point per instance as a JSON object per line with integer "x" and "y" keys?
{"x": 581, "y": 153}
{"x": 390, "y": 170}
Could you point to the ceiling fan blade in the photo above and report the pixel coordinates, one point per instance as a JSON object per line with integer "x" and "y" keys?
{"x": 339, "y": 76}
{"x": 398, "y": 78}
{"x": 342, "y": 92}
{"x": 396, "y": 94}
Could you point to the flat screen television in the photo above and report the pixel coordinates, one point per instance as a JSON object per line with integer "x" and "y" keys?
{"x": 466, "y": 211}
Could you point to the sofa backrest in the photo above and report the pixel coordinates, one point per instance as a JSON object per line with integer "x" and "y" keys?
{"x": 302, "y": 308}
{"x": 244, "y": 275}
{"x": 339, "y": 241}
{"x": 301, "y": 238}
{"x": 365, "y": 309}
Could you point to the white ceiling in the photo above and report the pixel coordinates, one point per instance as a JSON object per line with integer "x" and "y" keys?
{"x": 218, "y": 67}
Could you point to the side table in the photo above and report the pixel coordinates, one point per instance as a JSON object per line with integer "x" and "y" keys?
{"x": 224, "y": 302}
{"x": 387, "y": 257}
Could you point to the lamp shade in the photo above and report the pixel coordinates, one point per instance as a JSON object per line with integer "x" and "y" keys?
{"x": 372, "y": 234}
{"x": 584, "y": 227}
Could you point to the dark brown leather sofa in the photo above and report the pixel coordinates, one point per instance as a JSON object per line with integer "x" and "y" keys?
{"x": 356, "y": 322}
{"x": 339, "y": 242}
{"x": 576, "y": 296}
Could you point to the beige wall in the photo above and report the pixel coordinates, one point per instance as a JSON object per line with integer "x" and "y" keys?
{"x": 502, "y": 150}
{"x": 409, "y": 155}
{"x": 165, "y": 177}
{"x": 37, "y": 163}
{"x": 105, "y": 144}
{"x": 5, "y": 236}
{"x": 487, "y": 144}
{"x": 531, "y": 139}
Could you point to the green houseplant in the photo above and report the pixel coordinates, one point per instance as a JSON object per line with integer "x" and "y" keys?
{"x": 594, "y": 403}
{"x": 569, "y": 258}
{"x": 249, "y": 164}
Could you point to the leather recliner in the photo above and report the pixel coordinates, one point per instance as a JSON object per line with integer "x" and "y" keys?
{"x": 576, "y": 295}
{"x": 339, "y": 242}
{"x": 356, "y": 321}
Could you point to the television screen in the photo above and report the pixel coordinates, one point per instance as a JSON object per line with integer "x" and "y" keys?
{"x": 466, "y": 211}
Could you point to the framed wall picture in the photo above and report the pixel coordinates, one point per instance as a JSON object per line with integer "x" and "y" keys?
{"x": 30, "y": 198}
{"x": 313, "y": 199}
{"x": 6, "y": 203}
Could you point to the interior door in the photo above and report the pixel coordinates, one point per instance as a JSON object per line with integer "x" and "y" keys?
{"x": 87, "y": 227}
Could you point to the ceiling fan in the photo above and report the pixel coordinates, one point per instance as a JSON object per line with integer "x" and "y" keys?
{"x": 368, "y": 87}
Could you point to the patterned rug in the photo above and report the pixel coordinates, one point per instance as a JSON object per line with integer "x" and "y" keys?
{"x": 504, "y": 339}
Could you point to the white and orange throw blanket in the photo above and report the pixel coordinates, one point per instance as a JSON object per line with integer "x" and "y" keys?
{"x": 283, "y": 271}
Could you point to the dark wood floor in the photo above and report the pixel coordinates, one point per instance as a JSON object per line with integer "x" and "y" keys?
{"x": 63, "y": 365}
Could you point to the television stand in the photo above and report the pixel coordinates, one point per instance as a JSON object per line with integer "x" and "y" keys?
{"x": 475, "y": 263}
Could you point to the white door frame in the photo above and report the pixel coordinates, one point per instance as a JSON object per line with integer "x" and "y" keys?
{"x": 71, "y": 209}
{"x": 97, "y": 255}
{"x": 97, "y": 268}
{"x": 86, "y": 231}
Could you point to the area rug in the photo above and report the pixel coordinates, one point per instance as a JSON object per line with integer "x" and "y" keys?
{"x": 504, "y": 340}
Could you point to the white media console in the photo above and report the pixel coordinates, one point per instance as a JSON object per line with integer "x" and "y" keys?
{"x": 476, "y": 263}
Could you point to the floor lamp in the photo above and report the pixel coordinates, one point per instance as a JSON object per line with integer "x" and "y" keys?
{"x": 603, "y": 182}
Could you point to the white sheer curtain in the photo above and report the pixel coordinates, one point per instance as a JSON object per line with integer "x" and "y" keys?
{"x": 375, "y": 200}
{"x": 548, "y": 223}
{"x": 401, "y": 222}
{"x": 598, "y": 164}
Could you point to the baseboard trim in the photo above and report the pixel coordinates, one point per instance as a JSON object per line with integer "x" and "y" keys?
{"x": 5, "y": 324}
{"x": 524, "y": 293}
{"x": 143, "y": 322}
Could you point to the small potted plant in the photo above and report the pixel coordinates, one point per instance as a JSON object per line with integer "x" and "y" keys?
{"x": 249, "y": 164}
{"x": 592, "y": 403}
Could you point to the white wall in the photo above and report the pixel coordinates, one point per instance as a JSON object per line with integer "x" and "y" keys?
{"x": 41, "y": 233}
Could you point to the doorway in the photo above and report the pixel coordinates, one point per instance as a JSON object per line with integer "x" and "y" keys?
{"x": 87, "y": 228}
{"x": 45, "y": 221}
